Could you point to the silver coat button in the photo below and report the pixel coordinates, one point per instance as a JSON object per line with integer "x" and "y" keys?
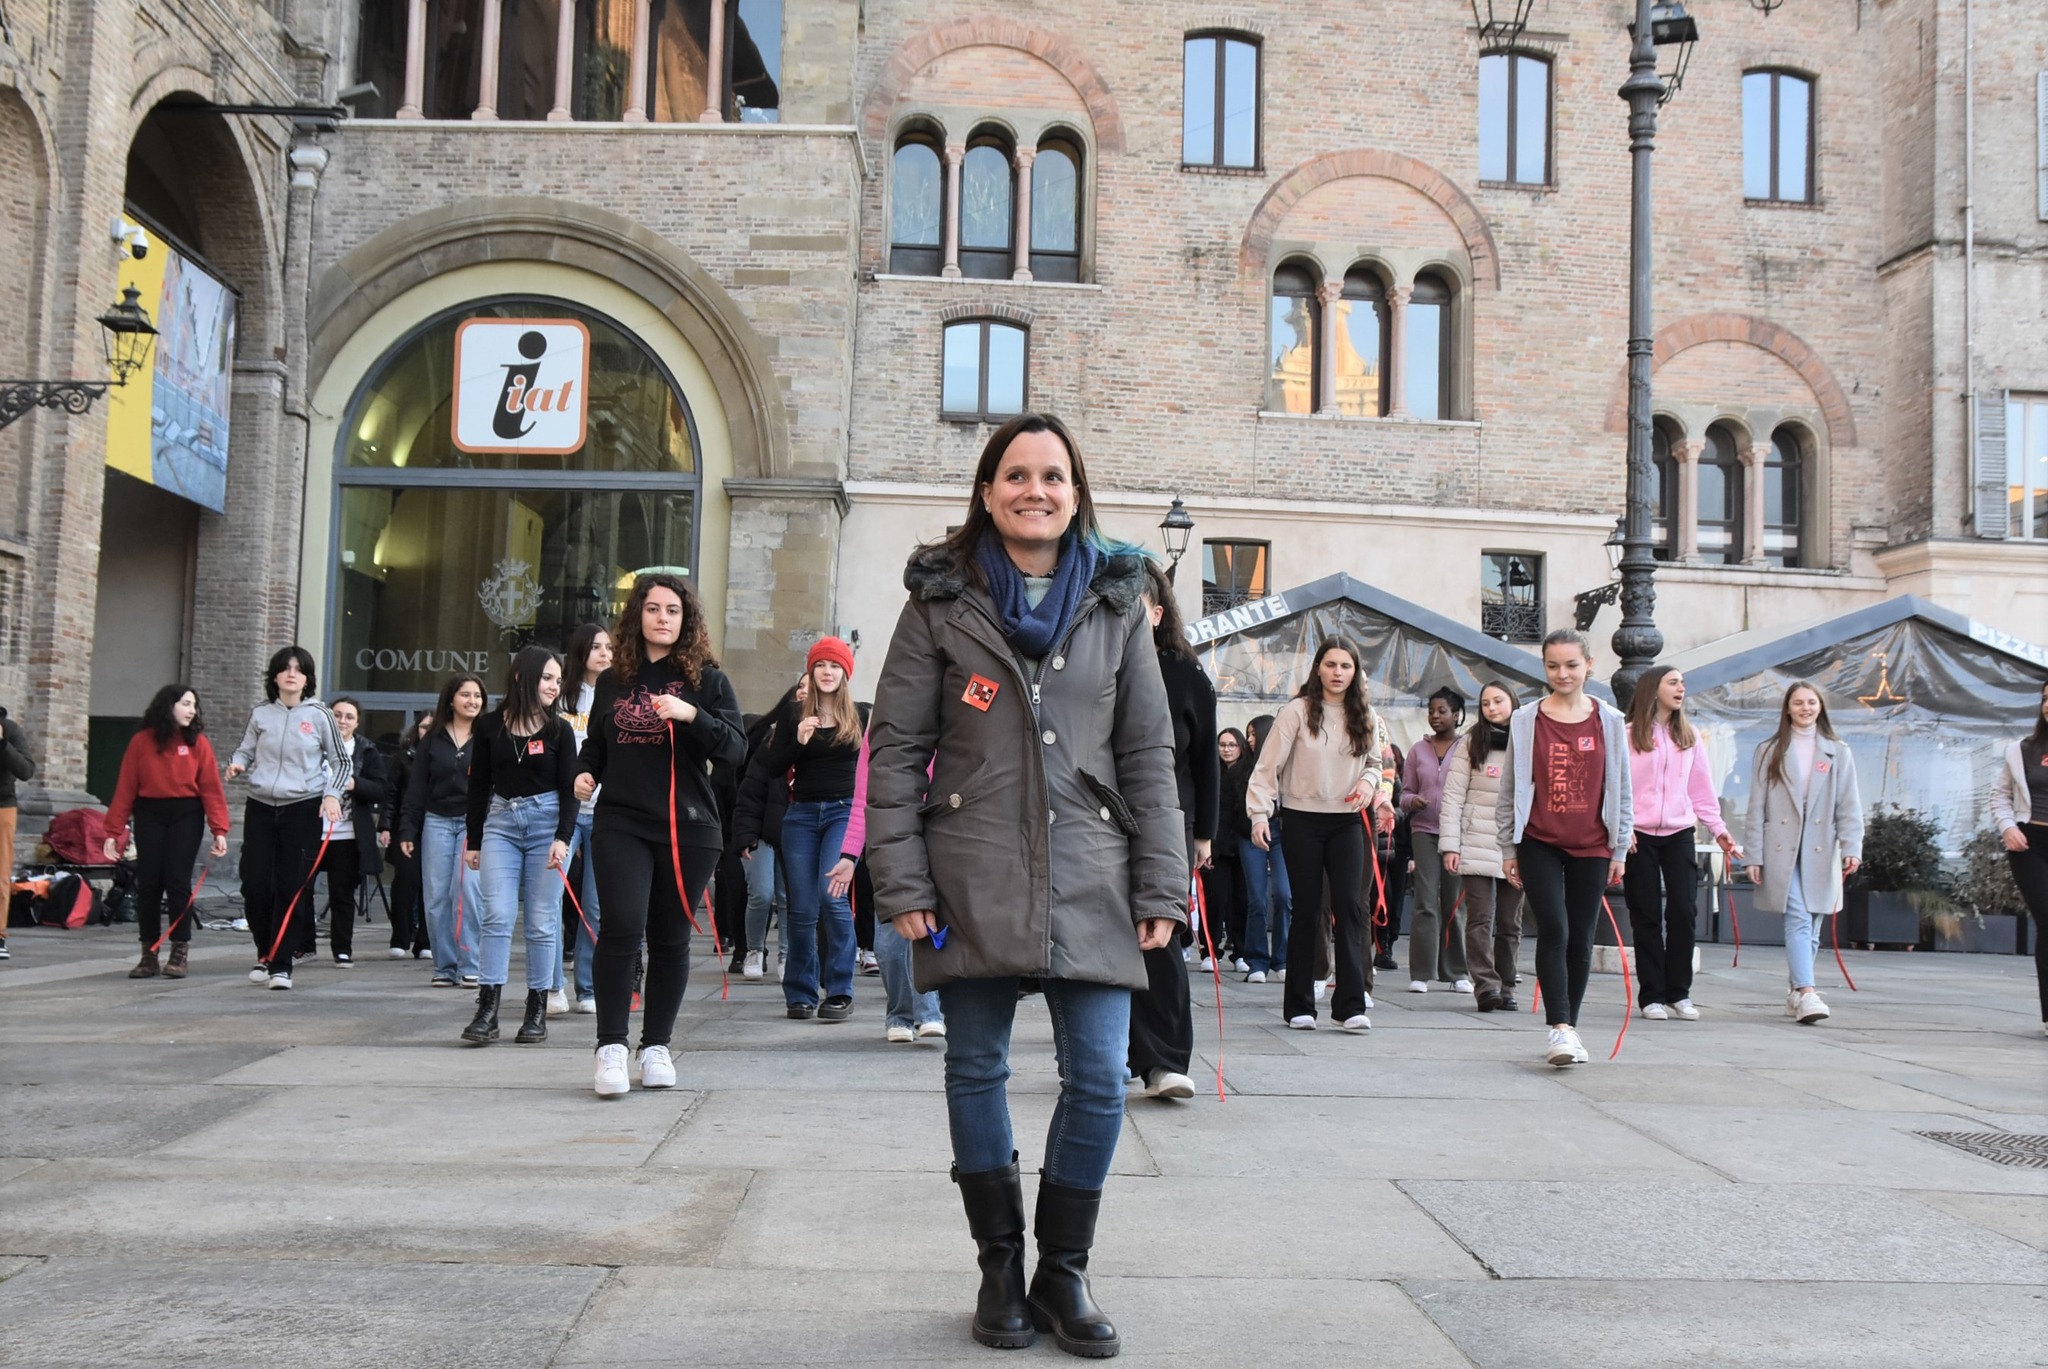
{"x": 1052, "y": 817}
{"x": 952, "y": 800}
{"x": 1050, "y": 737}
{"x": 1059, "y": 663}
{"x": 1105, "y": 815}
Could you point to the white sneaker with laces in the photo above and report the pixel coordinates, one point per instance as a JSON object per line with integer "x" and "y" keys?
{"x": 284, "y": 981}
{"x": 1303, "y": 1023}
{"x": 900, "y": 1036}
{"x": 1208, "y": 963}
{"x": 398, "y": 952}
{"x": 1461, "y": 986}
{"x": 937, "y": 1029}
{"x": 1241, "y": 965}
{"x": 1579, "y": 1055}
{"x": 1684, "y": 1011}
{"x": 1317, "y": 992}
{"x": 558, "y": 1003}
{"x": 1161, "y": 1083}
{"x": 751, "y": 967}
{"x": 1809, "y": 1009}
{"x": 1255, "y": 977}
{"x": 586, "y": 1005}
{"x": 1656, "y": 1012}
{"x": 611, "y": 1072}
{"x": 657, "y": 1069}
{"x": 1561, "y": 1051}
{"x": 1418, "y": 986}
{"x": 1791, "y": 1002}
{"x": 1358, "y": 1023}
{"x": 260, "y": 976}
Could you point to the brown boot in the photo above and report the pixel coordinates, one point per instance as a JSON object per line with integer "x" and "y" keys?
{"x": 176, "y": 968}
{"x": 146, "y": 967}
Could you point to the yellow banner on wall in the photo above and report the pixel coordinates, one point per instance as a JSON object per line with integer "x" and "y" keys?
{"x": 168, "y": 426}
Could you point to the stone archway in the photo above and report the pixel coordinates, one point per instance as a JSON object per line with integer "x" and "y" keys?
{"x": 1781, "y": 342}
{"x": 1288, "y": 191}
{"x": 988, "y": 30}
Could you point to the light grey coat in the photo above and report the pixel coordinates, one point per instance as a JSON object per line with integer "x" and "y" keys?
{"x": 1518, "y": 785}
{"x": 1469, "y": 828}
{"x": 1816, "y": 833}
{"x": 1044, "y": 834}
{"x": 2012, "y": 801}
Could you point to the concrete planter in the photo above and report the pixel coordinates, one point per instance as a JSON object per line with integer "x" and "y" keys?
{"x": 1738, "y": 907}
{"x": 1993, "y": 936}
{"x": 1878, "y": 918}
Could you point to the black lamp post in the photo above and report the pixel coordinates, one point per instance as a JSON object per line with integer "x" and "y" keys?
{"x": 129, "y": 336}
{"x": 1174, "y": 531}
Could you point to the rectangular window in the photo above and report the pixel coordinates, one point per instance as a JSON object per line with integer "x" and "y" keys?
{"x": 1219, "y": 102}
{"x": 1777, "y": 137}
{"x": 984, "y": 371}
{"x": 1234, "y": 573}
{"x": 1425, "y": 380}
{"x": 1514, "y": 119}
{"x": 2026, "y": 466}
{"x": 1511, "y": 595}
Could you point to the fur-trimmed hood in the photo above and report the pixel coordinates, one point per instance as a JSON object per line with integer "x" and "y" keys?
{"x": 934, "y": 572}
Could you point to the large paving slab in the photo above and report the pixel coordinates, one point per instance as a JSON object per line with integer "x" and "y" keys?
{"x": 83, "y": 1117}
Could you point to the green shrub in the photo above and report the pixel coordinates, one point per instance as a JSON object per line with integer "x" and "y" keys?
{"x": 1899, "y": 853}
{"x": 1985, "y": 885}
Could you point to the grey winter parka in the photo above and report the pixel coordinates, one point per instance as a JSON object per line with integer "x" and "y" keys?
{"x": 1042, "y": 837}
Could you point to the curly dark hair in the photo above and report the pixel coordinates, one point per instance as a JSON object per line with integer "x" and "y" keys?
{"x": 1357, "y": 712}
{"x": 158, "y": 722}
{"x": 692, "y": 650}
{"x": 286, "y": 656}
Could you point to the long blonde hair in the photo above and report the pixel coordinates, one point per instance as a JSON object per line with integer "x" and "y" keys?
{"x": 841, "y": 715}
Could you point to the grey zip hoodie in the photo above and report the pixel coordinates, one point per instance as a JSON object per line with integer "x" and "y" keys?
{"x": 293, "y": 754}
{"x": 1518, "y": 785}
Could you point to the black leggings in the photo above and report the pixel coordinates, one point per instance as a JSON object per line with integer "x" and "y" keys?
{"x": 1661, "y": 880}
{"x": 1564, "y": 892}
{"x": 167, "y": 837}
{"x": 636, "y": 887}
{"x": 2030, "y": 872}
{"x": 1316, "y": 844}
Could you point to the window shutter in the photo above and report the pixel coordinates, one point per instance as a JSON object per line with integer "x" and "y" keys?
{"x": 1991, "y": 509}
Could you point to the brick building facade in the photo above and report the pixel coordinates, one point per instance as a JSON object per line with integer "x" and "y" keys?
{"x": 1298, "y": 267}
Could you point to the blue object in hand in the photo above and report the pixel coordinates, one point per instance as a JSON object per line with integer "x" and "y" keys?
{"x": 938, "y": 938}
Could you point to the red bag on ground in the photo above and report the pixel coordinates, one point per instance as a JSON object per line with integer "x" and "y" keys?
{"x": 78, "y": 837}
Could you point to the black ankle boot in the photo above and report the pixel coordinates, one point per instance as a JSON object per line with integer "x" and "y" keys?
{"x": 994, "y": 1199}
{"x": 535, "y": 1027}
{"x": 1060, "y": 1300}
{"x": 485, "y": 1026}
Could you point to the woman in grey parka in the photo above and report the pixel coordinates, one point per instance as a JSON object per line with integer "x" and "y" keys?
{"x": 1024, "y": 825}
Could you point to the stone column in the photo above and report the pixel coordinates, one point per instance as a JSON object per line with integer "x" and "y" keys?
{"x": 1022, "y": 237}
{"x": 636, "y": 67}
{"x": 781, "y": 585}
{"x": 1327, "y": 295}
{"x": 565, "y": 60}
{"x": 415, "y": 60}
{"x": 714, "y": 69}
{"x": 949, "y": 232}
{"x": 1397, "y": 350}
{"x": 487, "y": 83}
{"x": 1685, "y": 506}
{"x": 1754, "y": 458}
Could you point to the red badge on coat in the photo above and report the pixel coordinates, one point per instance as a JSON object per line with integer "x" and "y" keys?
{"x": 981, "y": 692}
{"x": 1585, "y": 743}
{"x": 1821, "y": 767}
{"x": 306, "y": 729}
{"x": 184, "y": 750}
{"x": 1493, "y": 772}
{"x": 535, "y": 747}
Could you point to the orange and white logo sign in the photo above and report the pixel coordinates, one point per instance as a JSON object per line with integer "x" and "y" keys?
{"x": 521, "y": 385}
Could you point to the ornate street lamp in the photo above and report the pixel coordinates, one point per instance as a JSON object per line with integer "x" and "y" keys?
{"x": 1502, "y": 24}
{"x": 129, "y": 337}
{"x": 1671, "y": 26}
{"x": 1174, "y": 531}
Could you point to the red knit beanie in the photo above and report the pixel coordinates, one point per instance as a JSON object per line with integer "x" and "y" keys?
{"x": 830, "y": 649}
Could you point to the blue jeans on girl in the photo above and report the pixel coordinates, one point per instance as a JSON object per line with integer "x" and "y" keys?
{"x": 907, "y": 1007}
{"x": 517, "y": 835}
{"x": 1265, "y": 881}
{"x": 454, "y": 895}
{"x": 586, "y": 926}
{"x": 1802, "y": 934}
{"x": 811, "y": 834}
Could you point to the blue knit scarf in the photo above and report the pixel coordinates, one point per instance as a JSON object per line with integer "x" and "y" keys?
{"x": 1034, "y": 631}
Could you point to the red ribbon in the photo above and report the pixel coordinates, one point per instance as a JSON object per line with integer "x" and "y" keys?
{"x": 1209, "y": 940}
{"x": 285, "y": 922}
{"x": 190, "y": 899}
{"x": 1835, "y": 934}
{"x": 1734, "y": 921}
{"x": 675, "y": 860}
{"x": 1628, "y": 994}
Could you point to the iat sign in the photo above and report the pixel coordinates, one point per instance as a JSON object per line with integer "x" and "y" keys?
{"x": 521, "y": 385}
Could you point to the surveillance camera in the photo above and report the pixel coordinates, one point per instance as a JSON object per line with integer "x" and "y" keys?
{"x": 130, "y": 236}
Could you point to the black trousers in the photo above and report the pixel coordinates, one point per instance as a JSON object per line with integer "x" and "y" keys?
{"x": 729, "y": 903}
{"x": 636, "y": 887}
{"x": 1223, "y": 894}
{"x": 1661, "y": 883}
{"x": 167, "y": 837}
{"x": 1564, "y": 893}
{"x": 2030, "y": 872}
{"x": 1162, "y": 1021}
{"x": 1316, "y": 845}
{"x": 278, "y": 846}
{"x": 408, "y": 901}
{"x": 343, "y": 865}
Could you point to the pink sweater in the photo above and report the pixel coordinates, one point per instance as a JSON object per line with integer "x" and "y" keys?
{"x": 1673, "y": 788}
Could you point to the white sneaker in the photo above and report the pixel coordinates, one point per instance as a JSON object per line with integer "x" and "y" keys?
{"x": 1359, "y": 1023}
{"x": 1208, "y": 963}
{"x": 558, "y": 1003}
{"x": 1280, "y": 975}
{"x": 1303, "y": 1023}
{"x": 1808, "y": 1008}
{"x": 1656, "y": 1012}
{"x": 1791, "y": 1003}
{"x": 284, "y": 981}
{"x": 937, "y": 1029}
{"x": 657, "y": 1070}
{"x": 1167, "y": 1084}
{"x": 750, "y": 968}
{"x": 1255, "y": 977}
{"x": 1418, "y": 986}
{"x": 1564, "y": 1048}
{"x": 611, "y": 1072}
{"x": 586, "y": 1005}
{"x": 240, "y": 924}
{"x": 1241, "y": 965}
{"x": 1579, "y": 1056}
{"x": 397, "y": 953}
{"x": 1684, "y": 1011}
{"x": 1368, "y": 1002}
{"x": 900, "y": 1036}
{"x": 260, "y": 976}
{"x": 1461, "y": 986}
{"x": 1316, "y": 993}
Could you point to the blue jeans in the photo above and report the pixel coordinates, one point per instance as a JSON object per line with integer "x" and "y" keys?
{"x": 517, "y": 835}
{"x": 454, "y": 894}
{"x": 811, "y": 834}
{"x": 764, "y": 893}
{"x": 907, "y": 1007}
{"x": 1802, "y": 934}
{"x": 587, "y": 927}
{"x": 1091, "y": 1032}
{"x": 1265, "y": 877}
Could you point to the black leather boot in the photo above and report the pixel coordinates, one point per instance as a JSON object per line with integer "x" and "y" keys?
{"x": 994, "y": 1199}
{"x": 485, "y": 1026}
{"x": 1059, "y": 1298}
{"x": 535, "y": 1027}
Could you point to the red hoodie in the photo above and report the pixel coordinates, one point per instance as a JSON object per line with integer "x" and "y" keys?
{"x": 176, "y": 771}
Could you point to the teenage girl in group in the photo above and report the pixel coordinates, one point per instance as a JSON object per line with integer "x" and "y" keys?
{"x": 433, "y": 830}
{"x": 1805, "y": 834}
{"x": 1321, "y": 763}
{"x": 590, "y": 656}
{"x": 2019, "y": 809}
{"x": 662, "y": 715}
{"x": 1223, "y": 881}
{"x": 1674, "y": 794}
{"x": 170, "y": 783}
{"x": 352, "y": 854}
{"x": 1470, "y": 845}
{"x": 522, "y": 811}
{"x": 1564, "y": 817}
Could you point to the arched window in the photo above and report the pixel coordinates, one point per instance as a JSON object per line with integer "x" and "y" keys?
{"x": 988, "y": 211}
{"x": 1295, "y": 316}
{"x": 1514, "y": 118}
{"x": 1056, "y": 212}
{"x": 985, "y": 366}
{"x": 1784, "y": 497}
{"x": 1664, "y": 490}
{"x": 1720, "y": 483}
{"x": 1428, "y": 359}
{"x": 1777, "y": 136}
{"x": 1361, "y": 361}
{"x": 916, "y": 204}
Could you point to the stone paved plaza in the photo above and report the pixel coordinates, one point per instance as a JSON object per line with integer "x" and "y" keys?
{"x": 203, "y": 1173}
